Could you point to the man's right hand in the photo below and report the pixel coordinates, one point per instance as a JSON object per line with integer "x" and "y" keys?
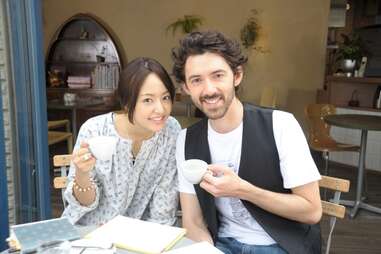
{"x": 83, "y": 160}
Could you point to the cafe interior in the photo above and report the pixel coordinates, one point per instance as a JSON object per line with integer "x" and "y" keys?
{"x": 60, "y": 64}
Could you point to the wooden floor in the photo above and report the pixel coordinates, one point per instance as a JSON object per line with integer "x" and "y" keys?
{"x": 363, "y": 233}
{"x": 359, "y": 235}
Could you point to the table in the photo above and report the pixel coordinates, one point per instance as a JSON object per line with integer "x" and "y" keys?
{"x": 73, "y": 107}
{"x": 364, "y": 123}
{"x": 83, "y": 230}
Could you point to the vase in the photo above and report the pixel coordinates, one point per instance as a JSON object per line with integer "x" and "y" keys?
{"x": 348, "y": 66}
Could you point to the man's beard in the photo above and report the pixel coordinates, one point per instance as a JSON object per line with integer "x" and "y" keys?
{"x": 216, "y": 113}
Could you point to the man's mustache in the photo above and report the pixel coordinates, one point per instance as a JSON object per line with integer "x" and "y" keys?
{"x": 210, "y": 97}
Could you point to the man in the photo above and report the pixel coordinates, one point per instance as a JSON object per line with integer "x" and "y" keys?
{"x": 261, "y": 193}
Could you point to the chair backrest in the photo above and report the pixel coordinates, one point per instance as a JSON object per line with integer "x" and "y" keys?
{"x": 268, "y": 97}
{"x": 332, "y": 207}
{"x": 59, "y": 123}
{"x": 55, "y": 137}
{"x": 60, "y": 182}
{"x": 318, "y": 128}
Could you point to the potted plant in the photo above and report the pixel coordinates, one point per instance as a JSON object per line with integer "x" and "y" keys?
{"x": 187, "y": 24}
{"x": 350, "y": 52}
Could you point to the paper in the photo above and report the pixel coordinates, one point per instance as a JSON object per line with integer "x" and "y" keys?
{"x": 31, "y": 235}
{"x": 137, "y": 235}
{"x": 201, "y": 247}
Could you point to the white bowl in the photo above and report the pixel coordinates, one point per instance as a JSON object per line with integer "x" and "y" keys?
{"x": 193, "y": 170}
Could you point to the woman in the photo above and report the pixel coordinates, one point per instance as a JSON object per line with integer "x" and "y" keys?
{"x": 140, "y": 179}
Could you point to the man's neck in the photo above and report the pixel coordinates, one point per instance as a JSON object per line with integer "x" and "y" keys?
{"x": 231, "y": 120}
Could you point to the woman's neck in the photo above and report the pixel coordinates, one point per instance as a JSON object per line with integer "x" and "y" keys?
{"x": 128, "y": 130}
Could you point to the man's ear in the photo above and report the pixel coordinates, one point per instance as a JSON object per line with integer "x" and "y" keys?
{"x": 238, "y": 76}
{"x": 185, "y": 88}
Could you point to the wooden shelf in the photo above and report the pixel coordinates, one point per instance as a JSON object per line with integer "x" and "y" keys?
{"x": 77, "y": 39}
{"x": 342, "y": 89}
{"x": 359, "y": 108}
{"x": 68, "y": 55}
{"x": 374, "y": 81}
{"x": 78, "y": 62}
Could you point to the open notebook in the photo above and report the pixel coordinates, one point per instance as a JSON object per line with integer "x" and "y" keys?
{"x": 137, "y": 235}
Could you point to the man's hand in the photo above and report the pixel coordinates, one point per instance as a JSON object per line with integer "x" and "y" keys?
{"x": 221, "y": 181}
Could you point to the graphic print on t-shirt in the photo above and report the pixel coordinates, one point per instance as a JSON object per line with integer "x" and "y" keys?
{"x": 238, "y": 210}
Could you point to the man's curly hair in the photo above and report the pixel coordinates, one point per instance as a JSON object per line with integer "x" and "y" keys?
{"x": 198, "y": 43}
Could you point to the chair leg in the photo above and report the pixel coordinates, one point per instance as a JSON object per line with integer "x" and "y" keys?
{"x": 70, "y": 145}
{"x": 326, "y": 163}
{"x": 365, "y": 190}
{"x": 326, "y": 170}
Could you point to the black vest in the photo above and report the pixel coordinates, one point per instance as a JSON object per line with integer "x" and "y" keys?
{"x": 259, "y": 165}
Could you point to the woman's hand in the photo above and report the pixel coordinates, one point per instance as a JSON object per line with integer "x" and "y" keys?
{"x": 83, "y": 160}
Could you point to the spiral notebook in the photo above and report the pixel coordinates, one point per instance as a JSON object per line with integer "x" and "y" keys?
{"x": 137, "y": 235}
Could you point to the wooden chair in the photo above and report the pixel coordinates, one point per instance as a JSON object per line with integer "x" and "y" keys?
{"x": 60, "y": 182}
{"x": 268, "y": 97}
{"x": 59, "y": 123}
{"x": 55, "y": 137}
{"x": 333, "y": 208}
{"x": 319, "y": 138}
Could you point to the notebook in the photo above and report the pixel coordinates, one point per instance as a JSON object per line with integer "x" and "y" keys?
{"x": 201, "y": 247}
{"x": 137, "y": 235}
{"x": 30, "y": 236}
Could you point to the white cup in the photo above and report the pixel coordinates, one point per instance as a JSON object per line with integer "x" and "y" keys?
{"x": 69, "y": 98}
{"x": 102, "y": 147}
{"x": 193, "y": 170}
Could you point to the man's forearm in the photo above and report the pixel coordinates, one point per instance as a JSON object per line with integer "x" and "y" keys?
{"x": 291, "y": 206}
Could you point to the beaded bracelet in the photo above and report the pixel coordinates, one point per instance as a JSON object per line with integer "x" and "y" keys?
{"x": 81, "y": 189}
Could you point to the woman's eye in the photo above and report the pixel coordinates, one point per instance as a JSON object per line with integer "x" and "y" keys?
{"x": 147, "y": 100}
{"x": 167, "y": 97}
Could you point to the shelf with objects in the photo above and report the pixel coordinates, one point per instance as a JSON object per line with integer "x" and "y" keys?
{"x": 82, "y": 66}
{"x": 360, "y": 93}
{"x": 353, "y": 60}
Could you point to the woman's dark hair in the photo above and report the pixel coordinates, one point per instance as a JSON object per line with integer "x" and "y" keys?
{"x": 198, "y": 43}
{"x": 132, "y": 78}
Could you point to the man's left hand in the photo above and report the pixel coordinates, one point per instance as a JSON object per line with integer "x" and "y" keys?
{"x": 222, "y": 181}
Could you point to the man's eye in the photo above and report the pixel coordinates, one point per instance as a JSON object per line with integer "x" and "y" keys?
{"x": 196, "y": 81}
{"x": 219, "y": 75}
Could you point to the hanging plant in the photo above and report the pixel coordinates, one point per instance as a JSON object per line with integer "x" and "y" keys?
{"x": 249, "y": 32}
{"x": 187, "y": 24}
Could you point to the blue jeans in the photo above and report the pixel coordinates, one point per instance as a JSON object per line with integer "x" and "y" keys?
{"x": 229, "y": 245}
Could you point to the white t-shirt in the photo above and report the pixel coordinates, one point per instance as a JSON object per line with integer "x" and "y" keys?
{"x": 296, "y": 164}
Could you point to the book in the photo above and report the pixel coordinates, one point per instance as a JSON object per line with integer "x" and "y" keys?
{"x": 201, "y": 247}
{"x": 137, "y": 235}
{"x": 29, "y": 236}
